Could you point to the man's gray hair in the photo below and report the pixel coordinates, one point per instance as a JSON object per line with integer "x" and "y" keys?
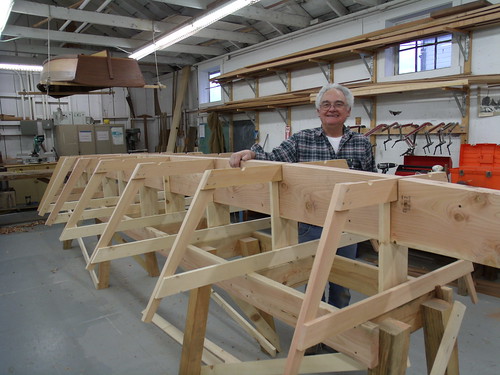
{"x": 335, "y": 86}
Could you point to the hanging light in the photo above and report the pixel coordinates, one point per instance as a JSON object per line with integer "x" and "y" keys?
{"x": 22, "y": 67}
{"x": 192, "y": 28}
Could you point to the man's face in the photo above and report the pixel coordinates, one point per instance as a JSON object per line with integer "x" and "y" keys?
{"x": 333, "y": 109}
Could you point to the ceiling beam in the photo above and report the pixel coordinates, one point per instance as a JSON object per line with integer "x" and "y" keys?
{"x": 42, "y": 51}
{"x": 195, "y": 4}
{"x": 337, "y": 7}
{"x": 28, "y": 7}
{"x": 273, "y": 16}
{"x": 370, "y": 3}
{"x": 103, "y": 41}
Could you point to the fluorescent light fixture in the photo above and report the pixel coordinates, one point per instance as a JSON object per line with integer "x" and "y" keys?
{"x": 26, "y": 68}
{"x": 192, "y": 28}
{"x": 5, "y": 8}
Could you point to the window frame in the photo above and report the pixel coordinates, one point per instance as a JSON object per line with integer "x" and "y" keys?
{"x": 213, "y": 86}
{"x": 418, "y": 45}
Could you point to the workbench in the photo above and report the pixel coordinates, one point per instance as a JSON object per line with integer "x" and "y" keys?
{"x": 26, "y": 180}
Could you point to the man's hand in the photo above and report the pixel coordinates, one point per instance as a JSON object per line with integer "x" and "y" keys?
{"x": 236, "y": 158}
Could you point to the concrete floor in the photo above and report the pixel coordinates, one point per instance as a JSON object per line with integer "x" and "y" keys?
{"x": 53, "y": 321}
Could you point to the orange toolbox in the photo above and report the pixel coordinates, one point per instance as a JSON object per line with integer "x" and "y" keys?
{"x": 479, "y": 166}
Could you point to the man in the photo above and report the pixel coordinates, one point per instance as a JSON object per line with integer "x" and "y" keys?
{"x": 333, "y": 140}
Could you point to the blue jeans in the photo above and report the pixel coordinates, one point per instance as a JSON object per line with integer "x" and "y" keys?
{"x": 338, "y": 295}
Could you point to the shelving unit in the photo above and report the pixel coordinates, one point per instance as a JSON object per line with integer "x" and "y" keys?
{"x": 365, "y": 45}
{"x": 459, "y": 21}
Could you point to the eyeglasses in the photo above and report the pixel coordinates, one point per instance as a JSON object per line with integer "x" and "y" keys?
{"x": 327, "y": 105}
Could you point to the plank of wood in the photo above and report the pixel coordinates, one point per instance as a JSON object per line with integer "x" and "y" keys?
{"x": 176, "y": 119}
{"x": 220, "y": 178}
{"x": 166, "y": 241}
{"x": 392, "y": 258}
{"x": 194, "y": 332}
{"x": 212, "y": 354}
{"x": 75, "y": 175}
{"x": 435, "y": 315}
{"x": 314, "y": 364}
{"x": 245, "y": 325}
{"x": 327, "y": 248}
{"x": 449, "y": 339}
{"x": 193, "y": 216}
{"x": 284, "y": 303}
{"x": 332, "y": 324}
{"x": 456, "y": 222}
{"x": 394, "y": 348}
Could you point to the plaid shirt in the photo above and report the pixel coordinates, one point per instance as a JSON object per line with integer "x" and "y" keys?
{"x": 313, "y": 145}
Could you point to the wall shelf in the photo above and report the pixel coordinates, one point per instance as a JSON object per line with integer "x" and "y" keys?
{"x": 370, "y": 43}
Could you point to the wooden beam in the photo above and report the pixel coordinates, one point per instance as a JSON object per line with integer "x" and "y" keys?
{"x": 176, "y": 119}
{"x": 335, "y": 323}
{"x": 194, "y": 333}
{"x": 447, "y": 346}
{"x": 393, "y": 349}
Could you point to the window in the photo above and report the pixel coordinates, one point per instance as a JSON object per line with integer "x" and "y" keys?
{"x": 214, "y": 89}
{"x": 424, "y": 54}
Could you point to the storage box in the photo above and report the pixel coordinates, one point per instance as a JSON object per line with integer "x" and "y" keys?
{"x": 479, "y": 166}
{"x": 414, "y": 164}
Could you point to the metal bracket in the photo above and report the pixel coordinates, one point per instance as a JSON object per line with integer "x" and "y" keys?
{"x": 368, "y": 61}
{"x": 463, "y": 41}
{"x": 250, "y": 118}
{"x": 461, "y": 102}
{"x": 284, "y": 117}
{"x": 283, "y": 78}
{"x": 252, "y": 84}
{"x": 326, "y": 72}
{"x": 369, "y": 111}
{"x": 226, "y": 90}
{"x": 224, "y": 118}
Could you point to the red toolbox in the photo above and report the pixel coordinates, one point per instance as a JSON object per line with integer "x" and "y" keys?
{"x": 414, "y": 164}
{"x": 479, "y": 166}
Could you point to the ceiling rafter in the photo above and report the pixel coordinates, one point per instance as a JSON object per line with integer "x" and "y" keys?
{"x": 123, "y": 26}
{"x": 337, "y": 7}
{"x": 104, "y": 41}
{"x": 28, "y": 7}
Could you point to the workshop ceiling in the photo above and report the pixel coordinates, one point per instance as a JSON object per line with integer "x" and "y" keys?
{"x": 36, "y": 29}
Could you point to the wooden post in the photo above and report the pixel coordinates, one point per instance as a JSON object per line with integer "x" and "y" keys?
{"x": 149, "y": 206}
{"x": 176, "y": 119}
{"x": 435, "y": 315}
{"x": 194, "y": 335}
{"x": 393, "y": 348}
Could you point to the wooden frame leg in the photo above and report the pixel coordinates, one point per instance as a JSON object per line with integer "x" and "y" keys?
{"x": 194, "y": 333}
{"x": 103, "y": 276}
{"x": 393, "y": 348}
{"x": 435, "y": 316}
